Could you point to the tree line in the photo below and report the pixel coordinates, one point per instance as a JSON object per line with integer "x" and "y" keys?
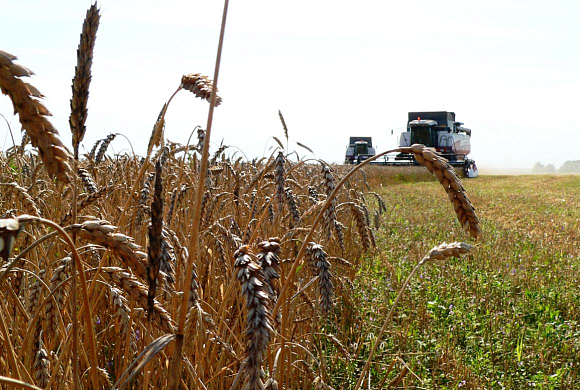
{"x": 571, "y": 166}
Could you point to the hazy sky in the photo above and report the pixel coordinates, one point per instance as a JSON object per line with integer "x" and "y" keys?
{"x": 508, "y": 69}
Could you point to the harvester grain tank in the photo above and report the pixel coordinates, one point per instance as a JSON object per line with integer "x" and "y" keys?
{"x": 358, "y": 150}
{"x": 440, "y": 130}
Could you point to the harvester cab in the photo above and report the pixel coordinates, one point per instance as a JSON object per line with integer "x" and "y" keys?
{"x": 439, "y": 130}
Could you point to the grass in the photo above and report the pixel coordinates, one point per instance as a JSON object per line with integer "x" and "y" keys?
{"x": 508, "y": 315}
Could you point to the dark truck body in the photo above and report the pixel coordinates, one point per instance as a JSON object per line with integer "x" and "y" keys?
{"x": 368, "y": 140}
{"x": 443, "y": 118}
{"x": 359, "y": 149}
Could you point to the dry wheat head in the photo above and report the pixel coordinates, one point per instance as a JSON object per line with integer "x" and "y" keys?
{"x": 33, "y": 117}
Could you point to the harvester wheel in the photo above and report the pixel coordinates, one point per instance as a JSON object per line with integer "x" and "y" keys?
{"x": 469, "y": 169}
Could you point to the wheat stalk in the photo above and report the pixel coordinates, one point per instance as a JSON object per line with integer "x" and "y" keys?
{"x": 11, "y": 228}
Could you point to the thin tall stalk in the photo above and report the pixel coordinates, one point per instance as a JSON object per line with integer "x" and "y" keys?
{"x": 77, "y": 119}
{"x": 175, "y": 370}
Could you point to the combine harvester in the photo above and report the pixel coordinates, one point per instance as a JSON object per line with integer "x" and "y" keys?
{"x": 358, "y": 150}
{"x": 436, "y": 129}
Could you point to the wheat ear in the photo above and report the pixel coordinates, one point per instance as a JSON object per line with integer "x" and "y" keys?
{"x": 279, "y": 179}
{"x": 82, "y": 79}
{"x": 138, "y": 292}
{"x": 90, "y": 199}
{"x": 200, "y": 86}
{"x": 446, "y": 175}
{"x": 293, "y": 206}
{"x": 103, "y": 148}
{"x": 24, "y": 196}
{"x": 33, "y": 117}
{"x": 258, "y": 321}
{"x": 283, "y": 124}
{"x": 41, "y": 366}
{"x": 102, "y": 233}
{"x": 155, "y": 248}
{"x": 329, "y": 215}
{"x": 318, "y": 262}
{"x": 361, "y": 224}
{"x": 88, "y": 181}
{"x": 53, "y": 308}
{"x": 269, "y": 260}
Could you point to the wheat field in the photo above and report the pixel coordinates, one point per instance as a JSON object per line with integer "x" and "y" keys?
{"x": 183, "y": 267}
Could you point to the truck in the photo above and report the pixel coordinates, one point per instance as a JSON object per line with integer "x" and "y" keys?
{"x": 358, "y": 150}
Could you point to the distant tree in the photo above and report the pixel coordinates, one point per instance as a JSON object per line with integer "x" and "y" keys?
{"x": 550, "y": 168}
{"x": 538, "y": 167}
{"x": 571, "y": 166}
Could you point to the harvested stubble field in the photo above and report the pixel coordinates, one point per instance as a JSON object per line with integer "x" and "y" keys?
{"x": 506, "y": 316}
{"x": 185, "y": 269}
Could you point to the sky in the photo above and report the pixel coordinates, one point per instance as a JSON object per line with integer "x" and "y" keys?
{"x": 510, "y": 70}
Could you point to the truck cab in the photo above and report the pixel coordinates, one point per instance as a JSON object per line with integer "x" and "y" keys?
{"x": 358, "y": 150}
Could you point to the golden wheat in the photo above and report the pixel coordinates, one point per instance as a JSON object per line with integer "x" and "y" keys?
{"x": 32, "y": 114}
